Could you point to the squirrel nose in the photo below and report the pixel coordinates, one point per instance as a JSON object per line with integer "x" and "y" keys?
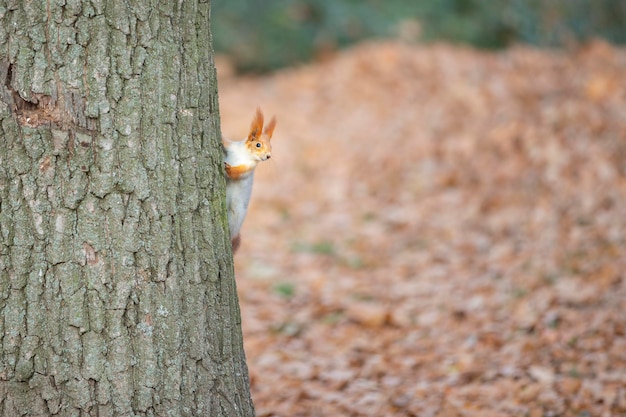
{"x": 269, "y": 156}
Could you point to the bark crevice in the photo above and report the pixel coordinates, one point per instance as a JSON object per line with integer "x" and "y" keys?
{"x": 43, "y": 110}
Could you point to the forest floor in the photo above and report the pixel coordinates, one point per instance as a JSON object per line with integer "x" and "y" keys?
{"x": 440, "y": 232}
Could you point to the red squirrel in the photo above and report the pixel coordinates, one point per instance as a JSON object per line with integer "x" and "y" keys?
{"x": 240, "y": 159}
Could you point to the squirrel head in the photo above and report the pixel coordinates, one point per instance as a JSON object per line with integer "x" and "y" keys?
{"x": 258, "y": 142}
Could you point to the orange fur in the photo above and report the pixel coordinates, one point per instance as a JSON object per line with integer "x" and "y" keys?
{"x": 259, "y": 146}
{"x": 256, "y": 127}
{"x": 258, "y": 141}
{"x": 269, "y": 129}
{"x": 235, "y": 172}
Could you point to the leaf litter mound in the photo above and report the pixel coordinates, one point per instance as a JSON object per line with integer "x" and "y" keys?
{"x": 440, "y": 232}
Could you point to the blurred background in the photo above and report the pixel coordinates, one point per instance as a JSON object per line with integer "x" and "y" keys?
{"x": 264, "y": 35}
{"x": 441, "y": 229}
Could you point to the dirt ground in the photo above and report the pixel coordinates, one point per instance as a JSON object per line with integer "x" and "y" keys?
{"x": 440, "y": 232}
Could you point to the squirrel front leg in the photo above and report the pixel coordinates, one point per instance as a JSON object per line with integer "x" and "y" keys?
{"x": 237, "y": 171}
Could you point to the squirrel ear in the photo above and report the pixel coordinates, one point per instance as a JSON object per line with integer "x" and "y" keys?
{"x": 269, "y": 129}
{"x": 256, "y": 127}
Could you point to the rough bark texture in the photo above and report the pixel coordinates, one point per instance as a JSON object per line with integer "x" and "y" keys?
{"x": 117, "y": 293}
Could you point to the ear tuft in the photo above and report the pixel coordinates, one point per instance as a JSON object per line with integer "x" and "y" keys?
{"x": 256, "y": 127}
{"x": 269, "y": 129}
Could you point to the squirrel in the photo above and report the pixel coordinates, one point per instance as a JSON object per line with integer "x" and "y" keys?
{"x": 240, "y": 160}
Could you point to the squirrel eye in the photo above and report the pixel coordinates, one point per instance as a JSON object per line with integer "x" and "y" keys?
{"x": 258, "y": 144}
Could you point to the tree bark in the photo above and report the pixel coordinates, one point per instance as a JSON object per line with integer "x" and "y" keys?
{"x": 117, "y": 291}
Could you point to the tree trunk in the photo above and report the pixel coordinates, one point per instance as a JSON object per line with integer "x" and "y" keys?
{"x": 117, "y": 292}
